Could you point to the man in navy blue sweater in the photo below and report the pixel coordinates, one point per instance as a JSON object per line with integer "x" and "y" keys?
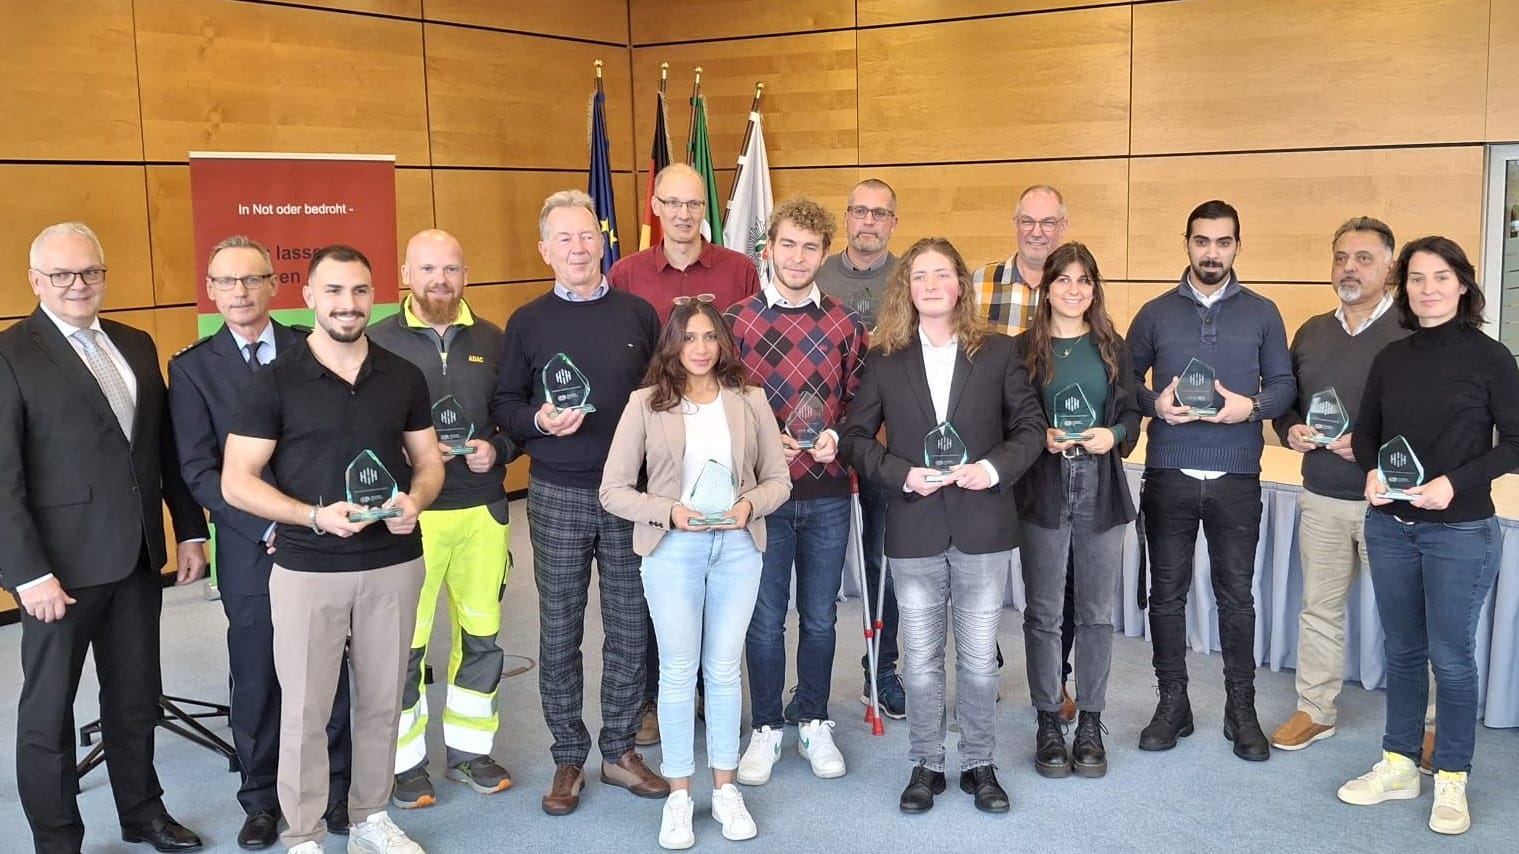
{"x": 1207, "y": 468}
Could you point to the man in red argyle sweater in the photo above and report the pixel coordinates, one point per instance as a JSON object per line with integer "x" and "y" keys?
{"x": 806, "y": 351}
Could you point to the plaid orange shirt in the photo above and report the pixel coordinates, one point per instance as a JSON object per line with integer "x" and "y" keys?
{"x": 1003, "y": 298}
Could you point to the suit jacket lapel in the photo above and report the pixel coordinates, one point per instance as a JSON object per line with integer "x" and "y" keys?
{"x": 674, "y": 426}
{"x": 963, "y": 367}
{"x": 733, "y": 408}
{"x": 66, "y": 358}
{"x": 917, "y": 377}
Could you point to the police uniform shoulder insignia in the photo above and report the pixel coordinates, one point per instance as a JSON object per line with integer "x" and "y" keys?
{"x": 192, "y": 346}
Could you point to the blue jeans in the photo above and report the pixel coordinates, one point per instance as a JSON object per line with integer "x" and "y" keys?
{"x": 1431, "y": 580}
{"x": 812, "y": 533}
{"x": 701, "y": 587}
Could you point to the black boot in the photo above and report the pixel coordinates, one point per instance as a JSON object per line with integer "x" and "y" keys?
{"x": 981, "y": 781}
{"x": 921, "y": 788}
{"x": 1050, "y": 756}
{"x": 1173, "y": 718}
{"x": 1240, "y": 724}
{"x": 1088, "y": 757}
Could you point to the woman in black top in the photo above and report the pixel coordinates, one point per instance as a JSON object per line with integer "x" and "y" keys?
{"x": 1434, "y": 554}
{"x": 1075, "y": 500}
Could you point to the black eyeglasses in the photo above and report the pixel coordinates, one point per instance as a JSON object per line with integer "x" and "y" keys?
{"x": 860, "y": 212}
{"x": 65, "y": 278}
{"x": 252, "y": 283}
{"x": 706, "y": 298}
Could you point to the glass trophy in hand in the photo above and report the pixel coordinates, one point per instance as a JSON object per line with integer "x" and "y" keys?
{"x": 370, "y": 486}
{"x": 564, "y": 386}
{"x": 943, "y": 449}
{"x": 1398, "y": 468}
{"x": 1073, "y": 414}
{"x": 713, "y": 496}
{"x": 1194, "y": 389}
{"x": 806, "y": 421}
{"x": 453, "y": 425}
{"x": 1327, "y": 416}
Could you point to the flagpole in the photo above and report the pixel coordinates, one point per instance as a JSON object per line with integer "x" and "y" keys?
{"x": 743, "y": 149}
{"x": 599, "y": 90}
{"x": 691, "y": 131}
{"x": 664, "y": 78}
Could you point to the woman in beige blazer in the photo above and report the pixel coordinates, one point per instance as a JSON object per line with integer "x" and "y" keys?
{"x": 696, "y": 419}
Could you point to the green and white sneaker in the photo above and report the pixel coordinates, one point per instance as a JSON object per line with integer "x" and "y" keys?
{"x": 763, "y": 752}
{"x": 815, "y": 743}
{"x": 1395, "y": 778}
{"x": 1450, "y": 814}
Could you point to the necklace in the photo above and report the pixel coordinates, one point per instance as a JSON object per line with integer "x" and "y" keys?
{"x": 1061, "y": 354}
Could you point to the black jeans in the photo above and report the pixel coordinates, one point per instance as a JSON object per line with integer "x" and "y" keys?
{"x": 1229, "y": 509}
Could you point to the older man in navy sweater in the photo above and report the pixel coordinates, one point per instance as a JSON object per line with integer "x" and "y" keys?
{"x": 1206, "y": 468}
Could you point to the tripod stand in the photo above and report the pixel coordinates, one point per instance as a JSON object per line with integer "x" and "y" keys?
{"x": 174, "y": 717}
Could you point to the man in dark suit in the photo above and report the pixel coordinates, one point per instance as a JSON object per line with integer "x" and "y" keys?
{"x": 951, "y": 522}
{"x": 207, "y": 381}
{"x": 87, "y": 460}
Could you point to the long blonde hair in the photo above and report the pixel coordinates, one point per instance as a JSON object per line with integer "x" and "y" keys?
{"x": 897, "y": 322}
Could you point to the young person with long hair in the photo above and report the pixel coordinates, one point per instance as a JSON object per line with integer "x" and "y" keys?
{"x": 700, "y": 581}
{"x": 949, "y": 535}
{"x": 1074, "y": 502}
{"x": 1444, "y": 389}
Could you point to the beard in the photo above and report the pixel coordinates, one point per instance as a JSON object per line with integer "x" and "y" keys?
{"x": 436, "y": 309}
{"x": 1349, "y": 291}
{"x": 339, "y": 335}
{"x": 1210, "y": 275}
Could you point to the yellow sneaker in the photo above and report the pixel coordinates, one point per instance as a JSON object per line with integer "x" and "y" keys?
{"x": 1395, "y": 778}
{"x": 1449, "y": 814}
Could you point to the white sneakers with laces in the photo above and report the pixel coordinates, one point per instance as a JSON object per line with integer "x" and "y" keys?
{"x": 815, "y": 744}
{"x": 1449, "y": 814}
{"x": 675, "y": 832}
{"x": 1395, "y": 778}
{"x": 379, "y": 835}
{"x": 763, "y": 752}
{"x": 728, "y": 810}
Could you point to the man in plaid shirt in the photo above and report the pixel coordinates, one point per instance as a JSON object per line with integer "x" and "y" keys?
{"x": 805, "y": 350}
{"x": 1007, "y": 291}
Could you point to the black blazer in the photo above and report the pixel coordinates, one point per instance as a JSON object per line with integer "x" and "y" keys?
{"x": 1040, "y": 491}
{"x": 207, "y": 382}
{"x": 76, "y": 499}
{"x": 992, "y": 408}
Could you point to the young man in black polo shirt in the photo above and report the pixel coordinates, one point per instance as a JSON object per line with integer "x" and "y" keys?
{"x": 336, "y": 581}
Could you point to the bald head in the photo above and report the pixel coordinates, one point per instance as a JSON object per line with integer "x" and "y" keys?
{"x": 436, "y": 274}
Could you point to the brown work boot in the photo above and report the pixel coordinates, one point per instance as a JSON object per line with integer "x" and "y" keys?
{"x": 564, "y": 794}
{"x": 648, "y": 727}
{"x": 1426, "y": 757}
{"x": 1300, "y": 731}
{"x": 632, "y": 774}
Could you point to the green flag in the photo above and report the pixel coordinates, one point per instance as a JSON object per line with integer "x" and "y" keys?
{"x": 699, "y": 155}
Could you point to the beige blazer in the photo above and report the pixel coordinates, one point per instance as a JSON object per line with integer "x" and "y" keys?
{"x": 657, "y": 440}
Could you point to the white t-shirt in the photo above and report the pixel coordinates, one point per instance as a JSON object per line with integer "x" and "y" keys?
{"x": 707, "y": 438}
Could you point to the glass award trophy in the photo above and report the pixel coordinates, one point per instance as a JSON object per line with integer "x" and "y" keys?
{"x": 453, "y": 426}
{"x": 1073, "y": 413}
{"x": 565, "y": 386}
{"x": 1194, "y": 389}
{"x": 369, "y": 485}
{"x": 713, "y": 495}
{"x": 1398, "y": 467}
{"x": 1327, "y": 415}
{"x": 943, "y": 449}
{"x": 864, "y": 304}
{"x": 806, "y": 421}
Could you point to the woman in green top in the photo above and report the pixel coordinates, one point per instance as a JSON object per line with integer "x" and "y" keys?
{"x": 1074, "y": 502}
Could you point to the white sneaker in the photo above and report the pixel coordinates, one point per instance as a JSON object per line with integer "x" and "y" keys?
{"x": 816, "y": 746}
{"x": 675, "y": 825}
{"x": 728, "y": 810}
{"x": 1395, "y": 778}
{"x": 379, "y": 835}
{"x": 1449, "y": 814}
{"x": 306, "y": 848}
{"x": 764, "y": 750}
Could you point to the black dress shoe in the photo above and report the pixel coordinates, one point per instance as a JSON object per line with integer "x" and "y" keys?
{"x": 336, "y": 819}
{"x": 260, "y": 830}
{"x": 921, "y": 788}
{"x": 1051, "y": 759}
{"x": 981, "y": 781}
{"x": 163, "y": 833}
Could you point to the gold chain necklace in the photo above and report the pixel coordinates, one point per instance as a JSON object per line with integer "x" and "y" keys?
{"x": 1061, "y": 354}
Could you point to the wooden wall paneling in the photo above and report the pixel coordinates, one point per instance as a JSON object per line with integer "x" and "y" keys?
{"x": 502, "y": 99}
{"x": 71, "y": 91}
{"x": 110, "y": 199}
{"x": 394, "y": 8}
{"x": 1222, "y": 75}
{"x": 1502, "y": 93}
{"x": 1054, "y": 85}
{"x": 251, "y": 77}
{"x": 177, "y": 271}
{"x": 597, "y": 20}
{"x": 1290, "y": 204}
{"x": 414, "y": 206}
{"x": 973, "y": 205}
{"x": 692, "y": 20}
{"x": 809, "y": 105}
{"x": 878, "y": 12}
{"x": 495, "y": 217}
{"x": 828, "y": 187}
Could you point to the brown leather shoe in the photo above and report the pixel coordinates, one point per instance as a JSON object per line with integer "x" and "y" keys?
{"x": 630, "y": 773}
{"x": 648, "y": 728}
{"x": 564, "y": 794}
{"x": 1428, "y": 755}
{"x": 1299, "y": 731}
{"x": 1067, "y": 711}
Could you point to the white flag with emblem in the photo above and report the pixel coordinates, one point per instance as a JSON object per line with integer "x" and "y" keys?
{"x": 748, "y": 215}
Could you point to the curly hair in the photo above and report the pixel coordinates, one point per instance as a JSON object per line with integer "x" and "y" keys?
{"x": 806, "y": 214}
{"x": 668, "y": 376}
{"x": 897, "y": 321}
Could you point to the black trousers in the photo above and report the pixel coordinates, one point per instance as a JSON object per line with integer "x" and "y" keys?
{"x": 120, "y": 620}
{"x": 1229, "y": 509}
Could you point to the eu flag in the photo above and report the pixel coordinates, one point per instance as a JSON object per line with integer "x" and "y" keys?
{"x": 600, "y": 189}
